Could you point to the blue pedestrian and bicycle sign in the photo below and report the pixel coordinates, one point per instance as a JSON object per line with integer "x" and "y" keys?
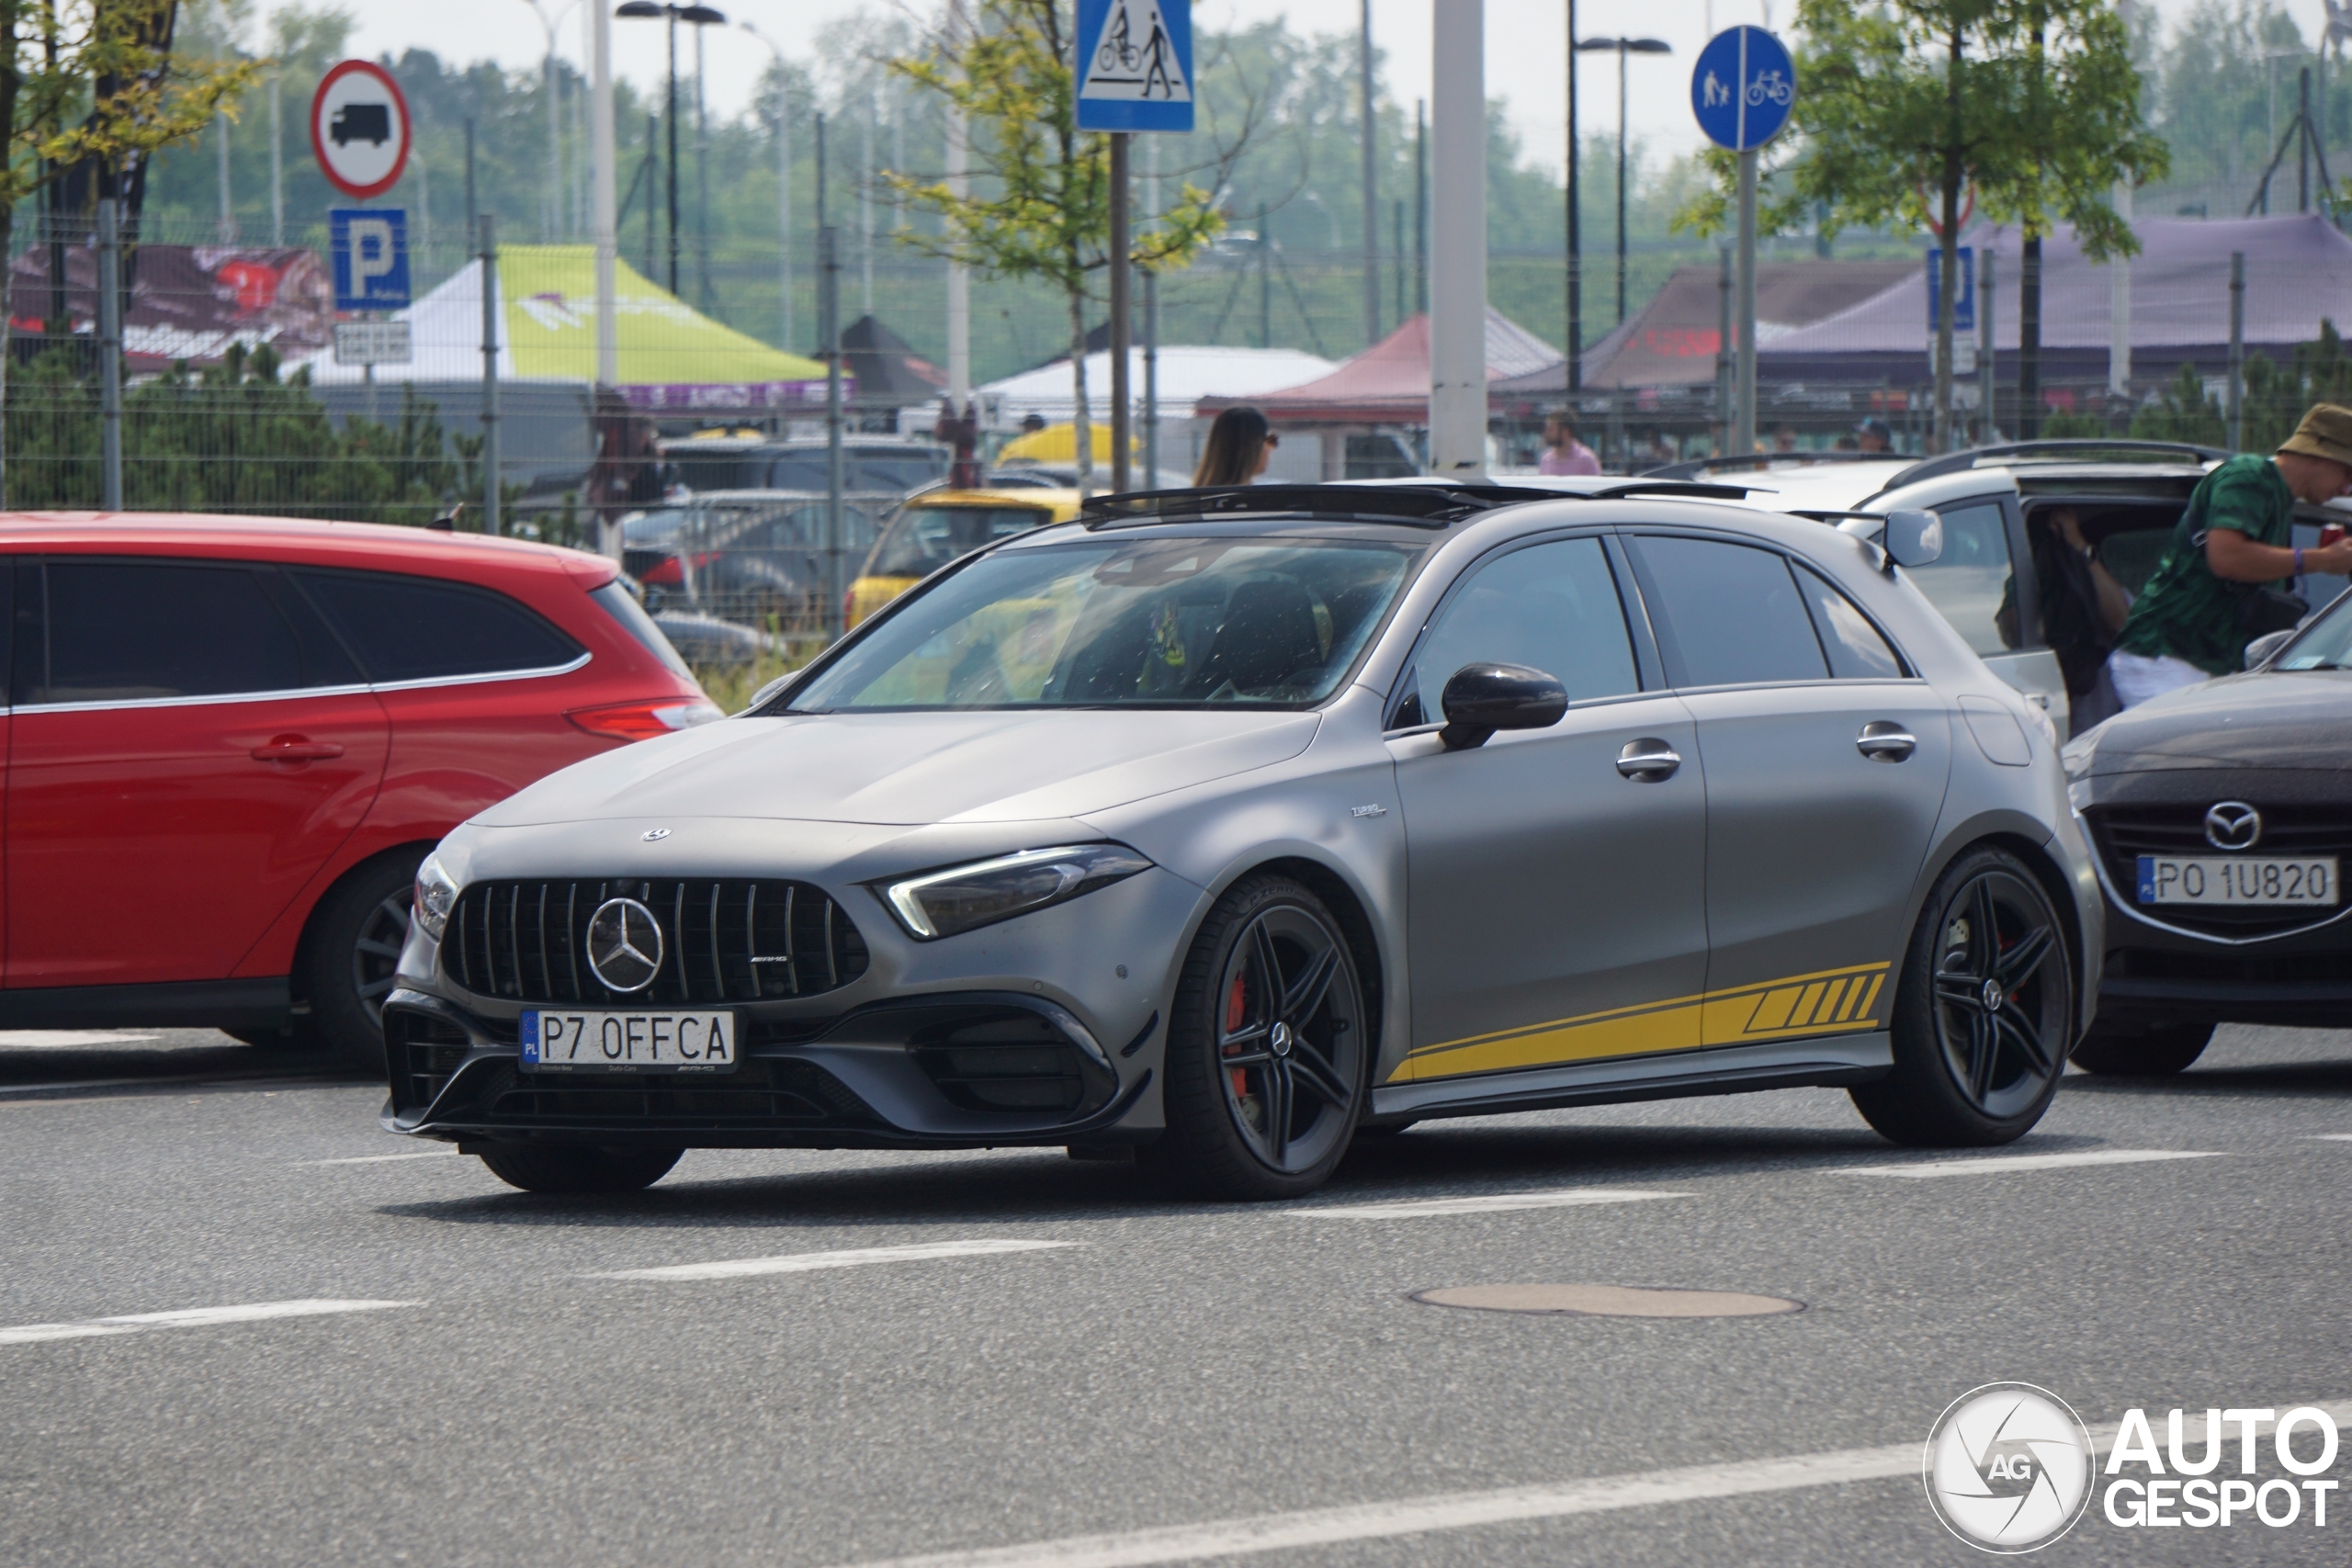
{"x": 369, "y": 247}
{"x": 1742, "y": 88}
{"x": 1135, "y": 64}
{"x": 1963, "y": 307}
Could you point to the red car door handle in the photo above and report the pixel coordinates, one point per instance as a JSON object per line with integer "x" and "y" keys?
{"x": 296, "y": 749}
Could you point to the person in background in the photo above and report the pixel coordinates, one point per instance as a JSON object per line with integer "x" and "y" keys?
{"x": 1032, "y": 423}
{"x": 1848, "y": 442}
{"x": 1874, "y": 436}
{"x": 1563, "y": 453}
{"x": 1240, "y": 446}
{"x": 2204, "y": 603}
{"x": 1784, "y": 439}
{"x": 2081, "y": 609}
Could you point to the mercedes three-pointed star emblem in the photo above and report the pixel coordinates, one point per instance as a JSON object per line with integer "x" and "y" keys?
{"x": 624, "y": 945}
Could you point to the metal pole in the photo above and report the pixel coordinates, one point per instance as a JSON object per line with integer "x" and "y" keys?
{"x": 2237, "y": 350}
{"x": 828, "y": 328}
{"x": 1151, "y": 378}
{"x": 604, "y": 196}
{"x": 671, "y": 116}
{"x": 277, "y": 165}
{"x": 1621, "y": 182}
{"x": 702, "y": 179}
{"x": 1265, "y": 281}
{"x": 1576, "y": 236}
{"x": 1421, "y": 208}
{"x": 1988, "y": 384}
{"x": 551, "y": 207}
{"x": 959, "y": 276}
{"x": 111, "y": 353}
{"x": 1743, "y": 436}
{"x": 228, "y": 210}
{"x": 1122, "y": 322}
{"x": 1371, "y": 129}
{"x": 490, "y": 522}
{"x": 1458, "y": 252}
{"x": 2119, "y": 307}
{"x": 2302, "y": 152}
{"x": 1727, "y": 374}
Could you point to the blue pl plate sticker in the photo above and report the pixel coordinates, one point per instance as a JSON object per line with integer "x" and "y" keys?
{"x": 2147, "y": 879}
{"x": 530, "y": 1040}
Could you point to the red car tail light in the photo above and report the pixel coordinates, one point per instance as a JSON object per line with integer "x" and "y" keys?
{"x": 644, "y": 720}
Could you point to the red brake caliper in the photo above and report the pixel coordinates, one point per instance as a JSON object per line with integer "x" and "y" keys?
{"x": 1237, "y": 1007}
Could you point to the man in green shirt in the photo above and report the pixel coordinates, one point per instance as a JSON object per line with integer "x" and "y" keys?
{"x": 2186, "y": 625}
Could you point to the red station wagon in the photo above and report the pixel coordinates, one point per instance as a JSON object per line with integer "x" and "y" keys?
{"x": 229, "y": 741}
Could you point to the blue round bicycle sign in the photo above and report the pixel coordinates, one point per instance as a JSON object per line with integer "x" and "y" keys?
{"x": 1743, "y": 88}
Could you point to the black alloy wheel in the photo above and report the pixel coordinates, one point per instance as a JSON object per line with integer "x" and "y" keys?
{"x": 2156, "y": 1051}
{"x": 351, "y": 953}
{"x": 1984, "y": 1012}
{"x": 1267, "y": 1054}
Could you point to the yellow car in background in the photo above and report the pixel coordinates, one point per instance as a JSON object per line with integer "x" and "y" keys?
{"x": 934, "y": 528}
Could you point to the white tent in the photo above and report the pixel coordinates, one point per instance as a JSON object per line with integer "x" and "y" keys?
{"x": 444, "y": 335}
{"x": 1186, "y": 376}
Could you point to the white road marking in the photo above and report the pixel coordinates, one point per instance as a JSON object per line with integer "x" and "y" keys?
{"x": 194, "y": 1317}
{"x": 58, "y": 1039}
{"x": 1461, "y": 1510}
{"x": 2333, "y": 1137}
{"x": 378, "y": 1159}
{"x": 1492, "y": 1203}
{"x": 1998, "y": 1165}
{"x": 806, "y": 1262}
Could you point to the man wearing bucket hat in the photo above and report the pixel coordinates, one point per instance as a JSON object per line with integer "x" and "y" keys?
{"x": 2214, "y": 592}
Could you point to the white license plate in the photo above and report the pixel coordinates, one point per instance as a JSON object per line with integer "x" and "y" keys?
{"x": 2237, "y": 879}
{"x": 629, "y": 1041}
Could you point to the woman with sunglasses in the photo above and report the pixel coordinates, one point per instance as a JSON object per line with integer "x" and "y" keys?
{"x": 1241, "y": 443}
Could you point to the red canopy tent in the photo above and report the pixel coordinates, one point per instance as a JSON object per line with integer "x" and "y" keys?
{"x": 1390, "y": 382}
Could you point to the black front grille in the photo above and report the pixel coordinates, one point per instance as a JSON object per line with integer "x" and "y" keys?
{"x": 423, "y": 1049}
{"x": 722, "y": 941}
{"x": 1002, "y": 1059}
{"x": 783, "y": 1092}
{"x": 2125, "y": 833}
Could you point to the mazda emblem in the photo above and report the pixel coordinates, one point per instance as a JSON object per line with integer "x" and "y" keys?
{"x": 2233, "y": 825}
{"x": 624, "y": 945}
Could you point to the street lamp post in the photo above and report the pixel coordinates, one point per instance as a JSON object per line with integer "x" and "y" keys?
{"x": 694, "y": 15}
{"x": 1622, "y": 47}
{"x": 551, "y": 203}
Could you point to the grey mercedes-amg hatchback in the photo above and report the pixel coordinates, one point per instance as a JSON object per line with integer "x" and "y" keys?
{"x": 1223, "y": 827}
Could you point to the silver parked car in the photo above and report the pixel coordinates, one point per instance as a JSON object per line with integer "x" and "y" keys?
{"x": 1222, "y": 828}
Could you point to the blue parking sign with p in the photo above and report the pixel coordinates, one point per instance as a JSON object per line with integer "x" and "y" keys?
{"x": 369, "y": 247}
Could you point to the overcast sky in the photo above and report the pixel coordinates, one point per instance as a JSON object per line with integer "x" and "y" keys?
{"x": 1525, "y": 48}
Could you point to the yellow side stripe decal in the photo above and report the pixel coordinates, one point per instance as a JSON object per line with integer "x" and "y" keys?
{"x": 1825, "y": 1002}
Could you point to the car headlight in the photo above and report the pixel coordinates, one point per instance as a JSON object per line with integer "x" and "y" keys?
{"x": 942, "y": 903}
{"x": 435, "y": 896}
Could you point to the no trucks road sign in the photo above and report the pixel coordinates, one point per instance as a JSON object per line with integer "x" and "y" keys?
{"x": 360, "y": 129}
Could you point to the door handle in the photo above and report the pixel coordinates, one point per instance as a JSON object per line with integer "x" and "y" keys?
{"x": 296, "y": 749}
{"x": 1884, "y": 742}
{"x": 1649, "y": 760}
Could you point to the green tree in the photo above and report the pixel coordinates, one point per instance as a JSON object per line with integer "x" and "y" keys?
{"x": 1040, "y": 207}
{"x": 93, "y": 82}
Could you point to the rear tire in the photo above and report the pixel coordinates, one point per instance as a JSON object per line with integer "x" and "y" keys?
{"x": 351, "y": 952}
{"x": 1984, "y": 1007}
{"x": 1268, "y": 1050}
{"x": 577, "y": 1169}
{"x": 2152, "y": 1053}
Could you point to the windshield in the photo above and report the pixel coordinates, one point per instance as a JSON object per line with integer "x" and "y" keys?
{"x": 1158, "y": 623}
{"x": 925, "y": 538}
{"x": 2327, "y": 643}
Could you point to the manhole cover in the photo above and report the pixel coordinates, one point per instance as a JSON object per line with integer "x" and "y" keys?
{"x": 1606, "y": 1300}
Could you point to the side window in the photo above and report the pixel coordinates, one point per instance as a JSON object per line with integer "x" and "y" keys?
{"x": 96, "y": 630}
{"x": 1855, "y": 650}
{"x": 417, "y": 628}
{"x": 1973, "y": 582}
{"x": 1732, "y": 614}
{"x": 1553, "y": 607}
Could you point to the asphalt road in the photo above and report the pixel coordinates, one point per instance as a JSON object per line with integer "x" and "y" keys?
{"x": 468, "y": 1384}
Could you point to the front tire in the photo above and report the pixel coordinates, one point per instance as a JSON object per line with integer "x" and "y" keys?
{"x": 1983, "y": 1012}
{"x": 2156, "y": 1052}
{"x": 352, "y": 952}
{"x": 560, "y": 1167}
{"x": 1268, "y": 1051}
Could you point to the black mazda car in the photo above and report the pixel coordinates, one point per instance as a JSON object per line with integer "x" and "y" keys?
{"x": 2222, "y": 819}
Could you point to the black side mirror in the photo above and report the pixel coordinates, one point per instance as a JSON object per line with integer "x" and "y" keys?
{"x": 1483, "y": 698}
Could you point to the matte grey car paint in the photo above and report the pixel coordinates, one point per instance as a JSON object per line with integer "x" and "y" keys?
{"x": 1843, "y": 848}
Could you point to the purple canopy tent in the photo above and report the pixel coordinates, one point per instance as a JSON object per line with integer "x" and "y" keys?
{"x": 2297, "y": 272}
